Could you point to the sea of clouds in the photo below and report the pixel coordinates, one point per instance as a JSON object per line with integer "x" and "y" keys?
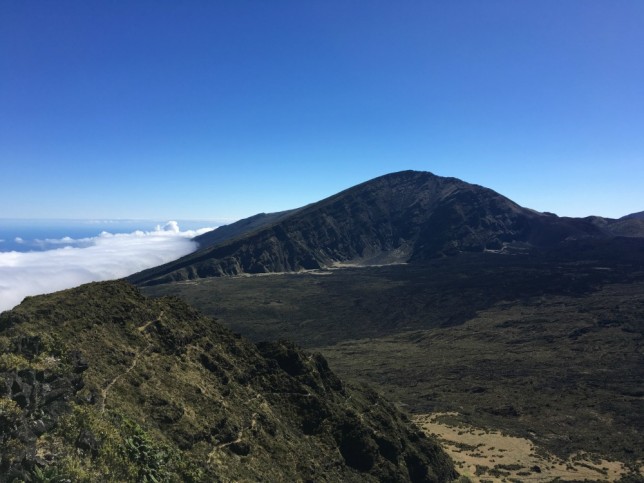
{"x": 107, "y": 256}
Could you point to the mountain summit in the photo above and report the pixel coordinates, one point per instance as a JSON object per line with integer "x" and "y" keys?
{"x": 409, "y": 216}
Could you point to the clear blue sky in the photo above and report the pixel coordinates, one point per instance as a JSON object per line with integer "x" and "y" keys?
{"x": 222, "y": 109}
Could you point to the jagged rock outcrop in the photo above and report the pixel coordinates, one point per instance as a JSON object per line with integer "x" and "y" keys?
{"x": 98, "y": 383}
{"x": 33, "y": 396}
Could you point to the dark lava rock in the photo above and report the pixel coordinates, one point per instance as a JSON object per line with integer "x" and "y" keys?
{"x": 506, "y": 410}
{"x": 87, "y": 441}
{"x": 41, "y": 397}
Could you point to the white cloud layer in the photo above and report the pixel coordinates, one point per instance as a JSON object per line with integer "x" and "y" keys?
{"x": 105, "y": 257}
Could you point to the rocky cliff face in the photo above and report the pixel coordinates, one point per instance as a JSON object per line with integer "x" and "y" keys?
{"x": 402, "y": 217}
{"x": 100, "y": 383}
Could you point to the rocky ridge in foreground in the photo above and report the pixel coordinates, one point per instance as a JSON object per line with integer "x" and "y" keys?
{"x": 99, "y": 380}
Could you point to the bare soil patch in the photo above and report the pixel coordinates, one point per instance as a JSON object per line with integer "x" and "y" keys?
{"x": 483, "y": 455}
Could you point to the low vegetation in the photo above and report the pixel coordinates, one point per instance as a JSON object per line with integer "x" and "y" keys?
{"x": 545, "y": 347}
{"x": 99, "y": 383}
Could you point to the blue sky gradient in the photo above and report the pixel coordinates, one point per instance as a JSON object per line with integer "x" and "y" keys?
{"x": 215, "y": 110}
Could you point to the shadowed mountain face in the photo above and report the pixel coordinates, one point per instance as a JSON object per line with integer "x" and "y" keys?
{"x": 240, "y": 228}
{"x": 639, "y": 216}
{"x": 627, "y": 226}
{"x": 100, "y": 381}
{"x": 408, "y": 216}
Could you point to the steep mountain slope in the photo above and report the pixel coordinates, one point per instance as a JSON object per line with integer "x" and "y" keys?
{"x": 98, "y": 383}
{"x": 408, "y": 216}
{"x": 240, "y": 228}
{"x": 639, "y": 216}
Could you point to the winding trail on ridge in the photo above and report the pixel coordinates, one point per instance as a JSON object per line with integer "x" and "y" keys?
{"x": 137, "y": 354}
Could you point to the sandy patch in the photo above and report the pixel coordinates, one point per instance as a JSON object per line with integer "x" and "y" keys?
{"x": 490, "y": 456}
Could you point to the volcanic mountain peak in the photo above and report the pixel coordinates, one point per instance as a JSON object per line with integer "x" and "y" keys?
{"x": 409, "y": 216}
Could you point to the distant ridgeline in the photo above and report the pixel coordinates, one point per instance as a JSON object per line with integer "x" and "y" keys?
{"x": 408, "y": 217}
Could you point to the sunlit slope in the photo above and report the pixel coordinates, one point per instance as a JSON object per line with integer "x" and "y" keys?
{"x": 99, "y": 380}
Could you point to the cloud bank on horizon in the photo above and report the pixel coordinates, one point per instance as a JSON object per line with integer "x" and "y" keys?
{"x": 107, "y": 256}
